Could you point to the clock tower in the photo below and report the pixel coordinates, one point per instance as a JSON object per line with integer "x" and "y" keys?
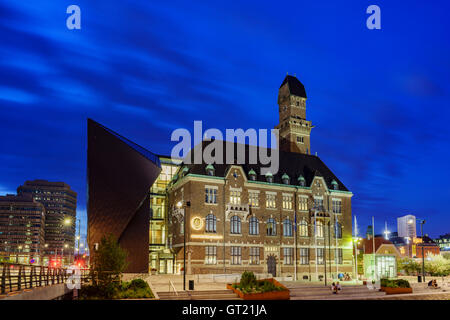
{"x": 293, "y": 128}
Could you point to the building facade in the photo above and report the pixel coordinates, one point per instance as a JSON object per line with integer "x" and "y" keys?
{"x": 406, "y": 226}
{"x": 296, "y": 222}
{"x": 161, "y": 256}
{"x": 120, "y": 175}
{"x": 21, "y": 228}
{"x": 443, "y": 242}
{"x": 60, "y": 203}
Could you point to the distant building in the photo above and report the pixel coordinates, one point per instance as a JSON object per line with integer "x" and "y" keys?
{"x": 406, "y": 226}
{"x": 60, "y": 203}
{"x": 21, "y": 228}
{"x": 443, "y": 242}
{"x": 381, "y": 263}
{"x": 427, "y": 246}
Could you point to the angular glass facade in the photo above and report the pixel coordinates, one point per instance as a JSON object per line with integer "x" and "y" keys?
{"x": 161, "y": 257}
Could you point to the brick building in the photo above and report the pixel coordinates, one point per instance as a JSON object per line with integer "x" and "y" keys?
{"x": 238, "y": 219}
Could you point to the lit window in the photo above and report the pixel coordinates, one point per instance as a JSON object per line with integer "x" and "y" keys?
{"x": 270, "y": 200}
{"x": 338, "y": 258}
{"x": 303, "y": 228}
{"x": 319, "y": 229}
{"x": 210, "y": 255}
{"x": 303, "y": 203}
{"x": 287, "y": 202}
{"x": 300, "y": 139}
{"x": 236, "y": 255}
{"x": 235, "y": 197}
{"x": 320, "y": 259}
{"x": 253, "y": 199}
{"x": 338, "y": 230}
{"x": 254, "y": 255}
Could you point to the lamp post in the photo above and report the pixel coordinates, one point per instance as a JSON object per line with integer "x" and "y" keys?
{"x": 179, "y": 206}
{"x": 422, "y": 222}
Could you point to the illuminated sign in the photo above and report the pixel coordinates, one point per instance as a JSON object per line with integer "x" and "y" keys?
{"x": 197, "y": 223}
{"x": 206, "y": 236}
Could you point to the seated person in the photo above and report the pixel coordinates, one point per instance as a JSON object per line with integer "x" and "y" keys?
{"x": 338, "y": 286}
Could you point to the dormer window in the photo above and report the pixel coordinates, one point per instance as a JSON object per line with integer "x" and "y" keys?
{"x": 269, "y": 177}
{"x": 334, "y": 185}
{"x": 252, "y": 175}
{"x": 285, "y": 179}
{"x": 209, "y": 170}
{"x": 301, "y": 181}
{"x": 184, "y": 171}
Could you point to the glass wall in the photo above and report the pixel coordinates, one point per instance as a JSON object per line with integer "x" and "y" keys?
{"x": 161, "y": 256}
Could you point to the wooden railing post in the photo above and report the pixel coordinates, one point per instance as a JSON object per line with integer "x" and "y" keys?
{"x": 19, "y": 280}
{"x": 3, "y": 284}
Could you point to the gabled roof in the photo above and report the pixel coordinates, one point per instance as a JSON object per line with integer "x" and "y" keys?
{"x": 367, "y": 244}
{"x": 296, "y": 88}
{"x": 292, "y": 163}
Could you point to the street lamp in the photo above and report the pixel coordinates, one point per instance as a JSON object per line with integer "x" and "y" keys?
{"x": 179, "y": 206}
{"x": 422, "y": 222}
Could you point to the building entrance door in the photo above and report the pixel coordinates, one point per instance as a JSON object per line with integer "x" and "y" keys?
{"x": 272, "y": 265}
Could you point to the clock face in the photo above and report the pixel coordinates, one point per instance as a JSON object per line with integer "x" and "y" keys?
{"x": 197, "y": 223}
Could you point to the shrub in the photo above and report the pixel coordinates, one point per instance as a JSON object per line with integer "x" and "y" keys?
{"x": 399, "y": 283}
{"x": 248, "y": 278}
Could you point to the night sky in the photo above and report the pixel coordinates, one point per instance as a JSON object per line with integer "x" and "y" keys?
{"x": 379, "y": 98}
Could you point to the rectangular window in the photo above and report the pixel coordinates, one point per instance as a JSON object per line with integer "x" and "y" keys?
{"x": 304, "y": 255}
{"x": 287, "y": 202}
{"x": 253, "y": 199}
{"x": 318, "y": 203}
{"x": 337, "y": 206}
{"x": 299, "y": 138}
{"x": 319, "y": 255}
{"x": 254, "y": 255}
{"x": 235, "y": 197}
{"x": 210, "y": 255}
{"x": 210, "y": 195}
{"x": 338, "y": 257}
{"x": 270, "y": 200}
{"x": 288, "y": 255}
{"x": 236, "y": 255}
{"x": 303, "y": 203}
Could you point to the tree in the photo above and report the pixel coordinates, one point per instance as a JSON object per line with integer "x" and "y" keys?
{"x": 109, "y": 261}
{"x": 409, "y": 266}
{"x": 437, "y": 265}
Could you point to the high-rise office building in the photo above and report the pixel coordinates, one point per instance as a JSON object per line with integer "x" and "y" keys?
{"x": 21, "y": 228}
{"x": 60, "y": 203}
{"x": 406, "y": 226}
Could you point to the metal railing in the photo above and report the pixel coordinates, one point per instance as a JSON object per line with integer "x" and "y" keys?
{"x": 171, "y": 286}
{"x": 16, "y": 277}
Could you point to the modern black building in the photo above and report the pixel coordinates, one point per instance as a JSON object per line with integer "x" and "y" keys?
{"x": 120, "y": 174}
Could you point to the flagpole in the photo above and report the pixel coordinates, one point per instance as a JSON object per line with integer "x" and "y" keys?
{"x": 373, "y": 247}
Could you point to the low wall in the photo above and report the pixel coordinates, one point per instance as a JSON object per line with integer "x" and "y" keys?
{"x": 40, "y": 293}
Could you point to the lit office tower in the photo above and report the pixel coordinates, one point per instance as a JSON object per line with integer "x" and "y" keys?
{"x": 60, "y": 203}
{"x": 21, "y": 228}
{"x": 406, "y": 226}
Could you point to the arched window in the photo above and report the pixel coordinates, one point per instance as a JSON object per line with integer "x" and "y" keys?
{"x": 253, "y": 226}
{"x": 211, "y": 223}
{"x": 287, "y": 227}
{"x": 303, "y": 228}
{"x": 338, "y": 230}
{"x": 235, "y": 225}
{"x": 319, "y": 229}
{"x": 271, "y": 227}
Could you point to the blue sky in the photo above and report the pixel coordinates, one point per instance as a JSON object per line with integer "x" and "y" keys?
{"x": 379, "y": 98}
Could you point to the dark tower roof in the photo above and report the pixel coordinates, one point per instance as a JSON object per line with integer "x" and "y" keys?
{"x": 295, "y": 86}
